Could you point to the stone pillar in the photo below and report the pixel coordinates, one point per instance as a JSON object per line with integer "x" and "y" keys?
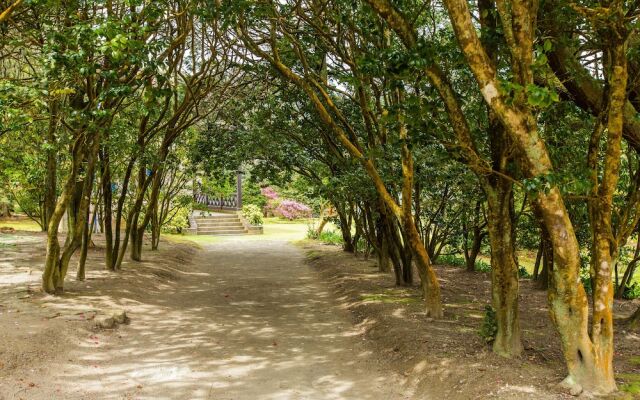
{"x": 239, "y": 191}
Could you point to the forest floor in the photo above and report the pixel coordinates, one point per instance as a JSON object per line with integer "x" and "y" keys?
{"x": 260, "y": 318}
{"x": 447, "y": 358}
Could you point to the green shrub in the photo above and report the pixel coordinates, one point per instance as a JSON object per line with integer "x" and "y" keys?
{"x": 451, "y": 259}
{"x": 326, "y": 237}
{"x": 585, "y": 277}
{"x": 178, "y": 217}
{"x": 331, "y": 237}
{"x": 312, "y": 232}
{"x": 523, "y": 273}
{"x": 482, "y": 266}
{"x": 489, "y": 327}
{"x": 362, "y": 245}
{"x": 456, "y": 261}
{"x": 253, "y": 214}
{"x": 631, "y": 292}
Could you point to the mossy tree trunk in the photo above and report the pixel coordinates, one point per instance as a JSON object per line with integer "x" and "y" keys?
{"x": 504, "y": 269}
{"x": 75, "y": 199}
{"x": 588, "y": 362}
{"x": 605, "y": 247}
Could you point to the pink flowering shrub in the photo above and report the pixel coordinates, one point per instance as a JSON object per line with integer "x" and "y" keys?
{"x": 284, "y": 208}
{"x": 269, "y": 193}
{"x": 291, "y": 209}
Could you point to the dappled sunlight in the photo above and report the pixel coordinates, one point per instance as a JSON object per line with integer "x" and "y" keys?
{"x": 248, "y": 321}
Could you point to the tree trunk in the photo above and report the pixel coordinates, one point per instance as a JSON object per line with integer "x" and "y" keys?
{"x": 155, "y": 228}
{"x": 50, "y": 275}
{"x": 345, "y": 230}
{"x": 394, "y": 248}
{"x": 428, "y": 279}
{"x": 568, "y": 301}
{"x": 132, "y": 217}
{"x": 137, "y": 230}
{"x": 52, "y": 167}
{"x": 84, "y": 249}
{"x": 137, "y": 240}
{"x": 536, "y": 268}
{"x": 86, "y": 237}
{"x": 605, "y": 249}
{"x": 125, "y": 241}
{"x": 107, "y": 200}
{"x": 402, "y": 248}
{"x": 76, "y": 198}
{"x": 629, "y": 272}
{"x": 4, "y": 212}
{"x": 504, "y": 269}
{"x": 384, "y": 259}
{"x": 323, "y": 222}
{"x": 115, "y": 257}
{"x": 542, "y": 280}
{"x": 471, "y": 254}
{"x": 137, "y": 237}
{"x": 634, "y": 319}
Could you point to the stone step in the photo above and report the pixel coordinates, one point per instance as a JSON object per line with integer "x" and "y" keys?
{"x": 218, "y": 223}
{"x": 222, "y": 232}
{"x": 218, "y": 218}
{"x": 224, "y": 228}
{"x": 221, "y": 228}
{"x": 227, "y": 226}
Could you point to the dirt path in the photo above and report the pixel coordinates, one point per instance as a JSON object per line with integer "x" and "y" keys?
{"x": 246, "y": 320}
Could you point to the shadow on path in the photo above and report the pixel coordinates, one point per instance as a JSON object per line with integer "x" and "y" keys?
{"x": 248, "y": 320}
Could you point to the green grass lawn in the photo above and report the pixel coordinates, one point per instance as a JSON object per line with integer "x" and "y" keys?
{"x": 274, "y": 228}
{"x": 20, "y": 224}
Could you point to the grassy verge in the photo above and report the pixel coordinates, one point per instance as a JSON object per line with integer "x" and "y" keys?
{"x": 22, "y": 224}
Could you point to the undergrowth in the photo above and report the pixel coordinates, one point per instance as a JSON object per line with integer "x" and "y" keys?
{"x": 489, "y": 327}
{"x": 480, "y": 266}
{"x": 326, "y": 237}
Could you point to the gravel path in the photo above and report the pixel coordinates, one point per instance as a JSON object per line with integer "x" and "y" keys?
{"x": 248, "y": 320}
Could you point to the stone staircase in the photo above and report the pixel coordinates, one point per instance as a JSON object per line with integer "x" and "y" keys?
{"x": 220, "y": 224}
